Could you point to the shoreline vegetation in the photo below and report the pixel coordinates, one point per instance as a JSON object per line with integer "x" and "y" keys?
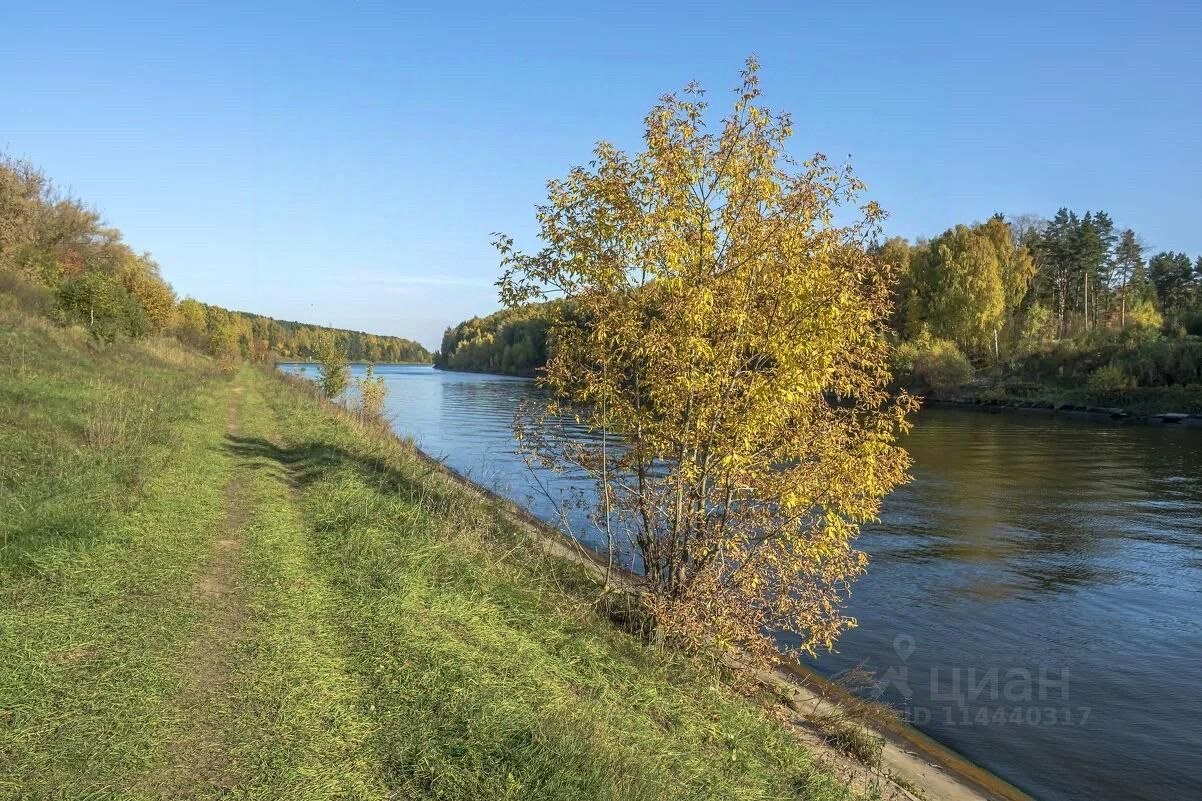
{"x": 316, "y": 362}
{"x": 1074, "y": 405}
{"x": 1017, "y": 311}
{"x": 1067, "y": 408}
{"x": 1106, "y": 376}
{"x": 184, "y": 546}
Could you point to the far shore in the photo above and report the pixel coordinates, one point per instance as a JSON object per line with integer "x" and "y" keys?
{"x": 308, "y": 363}
{"x": 1096, "y": 414}
{"x": 1075, "y": 411}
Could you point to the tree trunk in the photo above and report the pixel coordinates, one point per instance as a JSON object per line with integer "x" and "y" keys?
{"x": 1085, "y": 297}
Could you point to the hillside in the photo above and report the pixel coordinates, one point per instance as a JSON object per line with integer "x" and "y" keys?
{"x": 260, "y": 338}
{"x": 59, "y": 260}
{"x": 214, "y": 585}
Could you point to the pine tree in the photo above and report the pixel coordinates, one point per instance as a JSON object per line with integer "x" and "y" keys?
{"x": 1128, "y": 270}
{"x": 1056, "y": 261}
{"x": 1103, "y": 269}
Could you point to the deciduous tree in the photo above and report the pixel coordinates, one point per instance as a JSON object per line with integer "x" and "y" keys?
{"x": 726, "y": 343}
{"x": 331, "y": 360}
{"x": 965, "y": 295}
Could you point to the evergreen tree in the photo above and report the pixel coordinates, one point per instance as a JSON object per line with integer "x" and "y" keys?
{"x": 1056, "y": 261}
{"x": 1172, "y": 275}
{"x": 1128, "y": 271}
{"x": 1103, "y": 268}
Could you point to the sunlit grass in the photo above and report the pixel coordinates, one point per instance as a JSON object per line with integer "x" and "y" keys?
{"x": 394, "y": 636}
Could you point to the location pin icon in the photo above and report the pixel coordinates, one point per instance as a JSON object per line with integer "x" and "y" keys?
{"x": 903, "y": 645}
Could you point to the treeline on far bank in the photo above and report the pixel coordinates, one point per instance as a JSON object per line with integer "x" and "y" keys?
{"x": 1065, "y": 309}
{"x": 60, "y": 261}
{"x": 509, "y": 342}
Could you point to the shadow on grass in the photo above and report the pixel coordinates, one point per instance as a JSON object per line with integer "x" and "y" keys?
{"x": 307, "y": 463}
{"x": 493, "y": 516}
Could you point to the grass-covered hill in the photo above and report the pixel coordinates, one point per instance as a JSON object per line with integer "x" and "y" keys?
{"x": 59, "y": 260}
{"x": 259, "y": 338}
{"x": 212, "y": 585}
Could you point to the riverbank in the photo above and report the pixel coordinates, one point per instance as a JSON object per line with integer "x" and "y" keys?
{"x": 530, "y": 373}
{"x": 883, "y": 752}
{"x": 1075, "y": 409}
{"x": 214, "y": 585}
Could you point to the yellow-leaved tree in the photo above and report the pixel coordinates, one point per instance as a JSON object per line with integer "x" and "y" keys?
{"x": 723, "y": 338}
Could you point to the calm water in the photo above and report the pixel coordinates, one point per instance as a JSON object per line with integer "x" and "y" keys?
{"x": 1035, "y": 595}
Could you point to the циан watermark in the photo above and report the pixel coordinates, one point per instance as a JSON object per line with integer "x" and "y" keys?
{"x": 953, "y": 695}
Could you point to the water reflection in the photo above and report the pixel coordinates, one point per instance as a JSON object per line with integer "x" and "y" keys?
{"x": 1024, "y": 544}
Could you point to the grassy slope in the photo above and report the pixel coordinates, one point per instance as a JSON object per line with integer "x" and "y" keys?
{"x": 214, "y": 586}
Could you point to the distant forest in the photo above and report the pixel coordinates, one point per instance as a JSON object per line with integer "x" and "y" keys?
{"x": 58, "y": 260}
{"x": 259, "y": 337}
{"x": 509, "y": 342}
{"x": 1072, "y": 300}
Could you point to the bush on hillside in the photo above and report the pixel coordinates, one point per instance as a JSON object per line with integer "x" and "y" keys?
{"x": 934, "y": 365}
{"x": 1164, "y": 362}
{"x": 372, "y": 394}
{"x": 97, "y": 301}
{"x": 1109, "y": 381}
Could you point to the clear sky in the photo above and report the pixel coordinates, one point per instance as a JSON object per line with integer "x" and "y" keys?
{"x": 345, "y": 162}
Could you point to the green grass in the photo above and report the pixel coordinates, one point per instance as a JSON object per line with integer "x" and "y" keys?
{"x": 300, "y": 608}
{"x": 851, "y": 737}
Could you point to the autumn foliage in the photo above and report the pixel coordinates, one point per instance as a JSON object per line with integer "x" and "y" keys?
{"x": 724, "y": 338}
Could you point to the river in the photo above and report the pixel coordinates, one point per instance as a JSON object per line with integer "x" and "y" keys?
{"x": 1034, "y": 599}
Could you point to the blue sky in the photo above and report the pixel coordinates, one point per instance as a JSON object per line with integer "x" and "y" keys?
{"x": 345, "y": 163}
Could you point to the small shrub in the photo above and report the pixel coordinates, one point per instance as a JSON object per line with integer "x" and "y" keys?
{"x": 335, "y": 374}
{"x": 851, "y": 738}
{"x": 936, "y": 365}
{"x": 1108, "y": 381}
{"x": 372, "y": 394}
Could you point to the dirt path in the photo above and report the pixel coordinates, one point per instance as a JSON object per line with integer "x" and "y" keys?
{"x": 200, "y": 766}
